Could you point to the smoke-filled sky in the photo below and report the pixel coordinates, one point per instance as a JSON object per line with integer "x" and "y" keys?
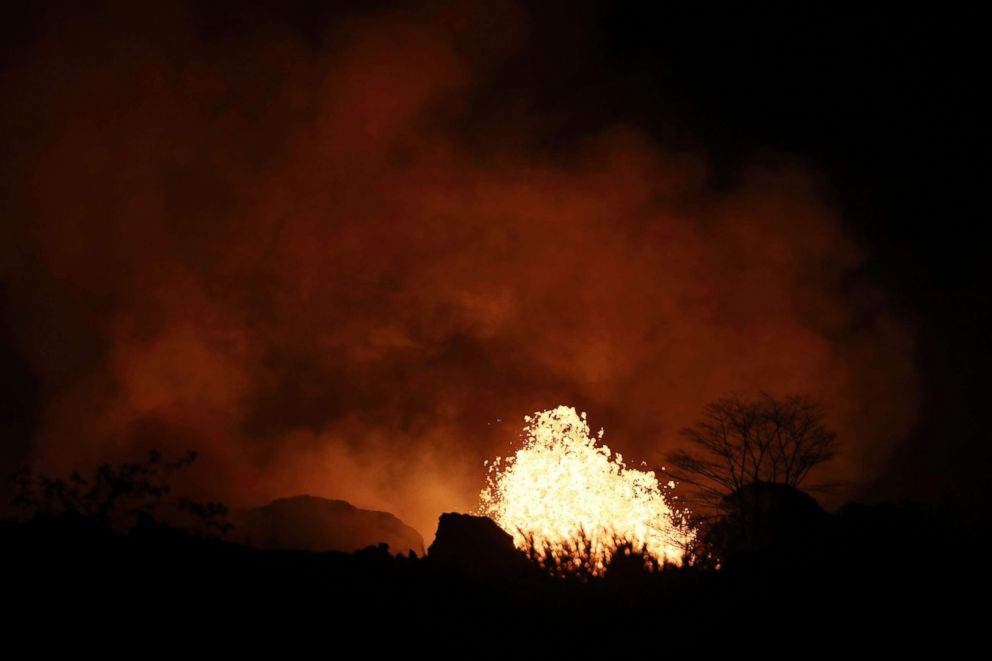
{"x": 344, "y": 252}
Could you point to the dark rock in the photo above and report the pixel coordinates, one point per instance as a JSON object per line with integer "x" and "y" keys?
{"x": 474, "y": 544}
{"x": 766, "y": 517}
{"x": 317, "y": 524}
{"x": 771, "y": 502}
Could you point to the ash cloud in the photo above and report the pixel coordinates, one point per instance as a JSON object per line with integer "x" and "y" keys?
{"x": 290, "y": 254}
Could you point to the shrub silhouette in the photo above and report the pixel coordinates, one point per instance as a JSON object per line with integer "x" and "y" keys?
{"x": 115, "y": 496}
{"x": 574, "y": 561}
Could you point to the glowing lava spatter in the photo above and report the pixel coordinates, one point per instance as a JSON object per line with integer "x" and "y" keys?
{"x": 566, "y": 497}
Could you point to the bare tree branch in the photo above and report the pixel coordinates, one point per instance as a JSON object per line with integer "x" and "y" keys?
{"x": 740, "y": 441}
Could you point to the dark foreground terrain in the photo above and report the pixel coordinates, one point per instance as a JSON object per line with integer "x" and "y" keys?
{"x": 880, "y": 578}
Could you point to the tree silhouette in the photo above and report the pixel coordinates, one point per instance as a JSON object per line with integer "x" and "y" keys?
{"x": 115, "y": 495}
{"x": 740, "y": 442}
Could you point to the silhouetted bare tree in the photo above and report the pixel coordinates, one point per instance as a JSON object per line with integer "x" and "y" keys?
{"x": 740, "y": 442}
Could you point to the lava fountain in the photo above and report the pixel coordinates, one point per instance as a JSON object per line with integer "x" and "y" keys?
{"x": 566, "y": 499}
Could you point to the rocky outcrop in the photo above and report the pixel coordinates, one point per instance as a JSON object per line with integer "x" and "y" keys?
{"x": 474, "y": 545}
{"x": 318, "y": 524}
{"x": 768, "y": 519}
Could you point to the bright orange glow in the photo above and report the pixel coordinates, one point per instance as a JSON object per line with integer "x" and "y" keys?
{"x": 575, "y": 501}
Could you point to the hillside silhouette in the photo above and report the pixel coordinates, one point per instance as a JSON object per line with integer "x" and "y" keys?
{"x": 309, "y": 523}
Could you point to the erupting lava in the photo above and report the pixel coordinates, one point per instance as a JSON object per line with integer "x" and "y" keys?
{"x": 565, "y": 497}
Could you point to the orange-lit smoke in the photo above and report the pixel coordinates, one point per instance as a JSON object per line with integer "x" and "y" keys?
{"x": 294, "y": 257}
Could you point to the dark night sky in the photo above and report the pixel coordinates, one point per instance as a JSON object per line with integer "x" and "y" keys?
{"x": 302, "y": 237}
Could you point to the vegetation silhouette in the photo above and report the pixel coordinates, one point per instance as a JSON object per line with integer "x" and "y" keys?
{"x": 117, "y": 496}
{"x": 739, "y": 441}
{"x": 745, "y": 461}
{"x": 574, "y": 560}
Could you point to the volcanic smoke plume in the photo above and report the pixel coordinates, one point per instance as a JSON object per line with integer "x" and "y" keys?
{"x": 295, "y": 254}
